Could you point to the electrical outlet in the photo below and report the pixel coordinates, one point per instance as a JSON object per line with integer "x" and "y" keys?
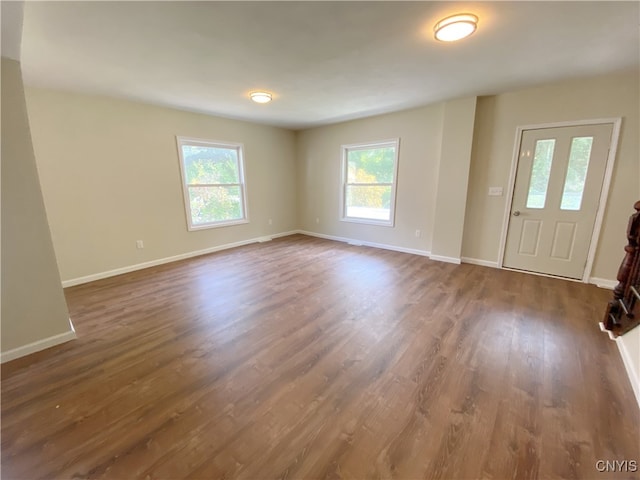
{"x": 139, "y": 244}
{"x": 417, "y": 233}
{"x": 270, "y": 222}
{"x": 317, "y": 220}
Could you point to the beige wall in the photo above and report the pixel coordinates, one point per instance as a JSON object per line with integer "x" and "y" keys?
{"x": 33, "y": 304}
{"x": 110, "y": 176}
{"x": 90, "y": 147}
{"x": 421, "y": 132}
{"x": 453, "y": 177}
{"x": 496, "y": 120}
{"x": 319, "y": 181}
{"x": 421, "y": 178}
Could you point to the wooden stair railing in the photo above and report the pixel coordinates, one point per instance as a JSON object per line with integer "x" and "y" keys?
{"x": 623, "y": 312}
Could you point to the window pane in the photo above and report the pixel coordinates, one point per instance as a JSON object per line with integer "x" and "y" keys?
{"x": 576, "y": 173}
{"x": 370, "y": 202}
{"x": 215, "y": 204}
{"x": 371, "y": 165}
{"x": 540, "y": 170}
{"x": 207, "y": 165}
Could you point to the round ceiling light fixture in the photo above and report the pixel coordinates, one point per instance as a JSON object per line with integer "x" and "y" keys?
{"x": 261, "y": 97}
{"x": 456, "y": 27}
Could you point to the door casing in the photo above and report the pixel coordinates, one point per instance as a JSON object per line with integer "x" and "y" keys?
{"x": 604, "y": 193}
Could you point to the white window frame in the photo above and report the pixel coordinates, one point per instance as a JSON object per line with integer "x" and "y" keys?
{"x": 239, "y": 147}
{"x": 395, "y": 143}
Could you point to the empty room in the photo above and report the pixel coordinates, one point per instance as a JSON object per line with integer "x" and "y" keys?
{"x": 310, "y": 240}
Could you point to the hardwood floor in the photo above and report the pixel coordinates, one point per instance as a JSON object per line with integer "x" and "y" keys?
{"x": 305, "y": 358}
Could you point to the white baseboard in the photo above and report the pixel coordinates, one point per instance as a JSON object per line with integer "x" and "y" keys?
{"x": 38, "y": 345}
{"x": 139, "y": 266}
{"x": 608, "y": 332}
{"x": 283, "y": 234}
{"x": 71, "y": 335}
{"x": 603, "y": 282}
{"x": 355, "y": 242}
{"x": 441, "y": 258}
{"x": 477, "y": 261}
{"x": 634, "y": 377}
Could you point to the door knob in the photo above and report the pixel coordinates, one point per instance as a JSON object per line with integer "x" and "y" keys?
{"x": 516, "y": 213}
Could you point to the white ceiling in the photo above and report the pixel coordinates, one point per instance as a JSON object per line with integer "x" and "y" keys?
{"x": 324, "y": 61}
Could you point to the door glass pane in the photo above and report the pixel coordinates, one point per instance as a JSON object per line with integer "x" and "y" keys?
{"x": 540, "y": 170}
{"x": 576, "y": 173}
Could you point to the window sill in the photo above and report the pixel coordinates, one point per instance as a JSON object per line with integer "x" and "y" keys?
{"x": 206, "y": 226}
{"x": 367, "y": 221}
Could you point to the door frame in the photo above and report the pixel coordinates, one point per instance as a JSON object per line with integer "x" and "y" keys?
{"x": 604, "y": 193}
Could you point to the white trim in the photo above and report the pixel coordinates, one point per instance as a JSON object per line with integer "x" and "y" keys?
{"x": 38, "y": 345}
{"x": 344, "y": 149}
{"x": 604, "y": 195}
{"x": 608, "y": 332}
{"x": 603, "y": 282}
{"x": 283, "y": 234}
{"x": 440, "y": 258}
{"x": 509, "y": 198}
{"x": 540, "y": 274}
{"x": 362, "y": 243}
{"x": 570, "y": 123}
{"x": 367, "y": 221}
{"x": 477, "y": 261}
{"x": 139, "y": 266}
{"x": 225, "y": 223}
{"x": 634, "y": 378}
{"x": 606, "y": 183}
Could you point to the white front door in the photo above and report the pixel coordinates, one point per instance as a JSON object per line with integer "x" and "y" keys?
{"x": 555, "y": 198}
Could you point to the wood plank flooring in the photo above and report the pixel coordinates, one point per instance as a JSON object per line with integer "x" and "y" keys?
{"x": 306, "y": 358}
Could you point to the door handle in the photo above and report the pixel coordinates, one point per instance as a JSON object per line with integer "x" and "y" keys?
{"x": 516, "y": 213}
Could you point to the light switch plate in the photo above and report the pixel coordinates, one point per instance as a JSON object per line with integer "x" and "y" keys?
{"x": 495, "y": 191}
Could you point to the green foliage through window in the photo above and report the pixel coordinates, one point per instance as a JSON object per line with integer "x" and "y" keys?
{"x": 210, "y": 165}
{"x": 579, "y": 156}
{"x": 213, "y": 182}
{"x": 370, "y": 172}
{"x": 540, "y": 172}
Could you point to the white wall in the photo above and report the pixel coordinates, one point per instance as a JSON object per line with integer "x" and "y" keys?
{"x": 629, "y": 345}
{"x": 34, "y": 311}
{"x": 110, "y": 176}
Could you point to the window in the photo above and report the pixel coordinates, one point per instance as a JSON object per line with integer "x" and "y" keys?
{"x": 540, "y": 173}
{"x": 212, "y": 182}
{"x": 579, "y": 156}
{"x": 369, "y": 182}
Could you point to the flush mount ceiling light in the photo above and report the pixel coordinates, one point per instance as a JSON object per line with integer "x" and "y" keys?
{"x": 261, "y": 97}
{"x": 456, "y": 27}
